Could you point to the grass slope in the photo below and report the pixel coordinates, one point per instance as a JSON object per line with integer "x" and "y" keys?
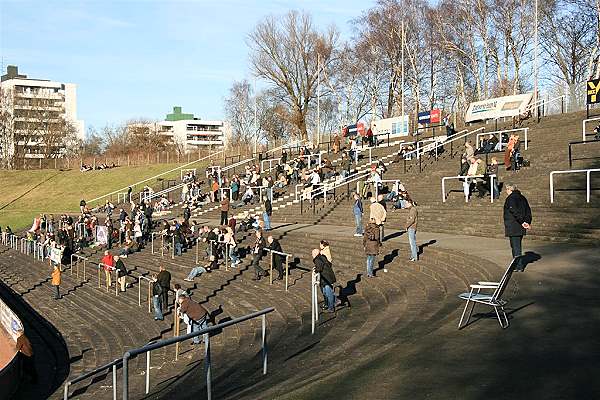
{"x": 25, "y": 194}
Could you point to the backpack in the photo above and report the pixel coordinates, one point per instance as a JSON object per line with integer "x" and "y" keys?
{"x": 328, "y": 275}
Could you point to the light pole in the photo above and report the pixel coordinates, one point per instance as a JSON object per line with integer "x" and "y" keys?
{"x": 535, "y": 59}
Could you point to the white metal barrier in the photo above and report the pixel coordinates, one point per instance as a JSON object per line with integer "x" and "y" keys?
{"x": 573, "y": 171}
{"x": 162, "y": 243}
{"x": 287, "y": 266}
{"x": 184, "y": 171}
{"x": 222, "y": 190}
{"x": 79, "y": 259}
{"x": 499, "y": 134}
{"x": 492, "y": 176}
{"x": 140, "y": 278}
{"x": 583, "y": 124}
{"x": 270, "y": 161}
{"x": 314, "y": 300}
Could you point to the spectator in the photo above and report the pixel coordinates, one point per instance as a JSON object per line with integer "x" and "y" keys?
{"x": 229, "y": 240}
{"x": 326, "y": 278}
{"x": 371, "y": 244}
{"x": 164, "y": 280}
{"x": 469, "y": 151}
{"x": 56, "y": 272}
{"x": 187, "y": 213}
{"x": 517, "y": 221}
{"x": 267, "y": 212}
{"x": 224, "y": 209}
{"x": 197, "y": 315}
{"x": 121, "y": 273}
{"x": 82, "y": 204}
{"x": 357, "y": 210}
{"x": 378, "y": 214}
{"x": 274, "y": 245}
{"x": 199, "y": 270}
{"x": 509, "y": 152}
{"x": 108, "y": 264}
{"x": 336, "y": 143}
{"x": 411, "y": 228}
{"x": 325, "y": 250}
{"x": 157, "y": 294}
{"x": 259, "y": 245}
{"x": 492, "y": 169}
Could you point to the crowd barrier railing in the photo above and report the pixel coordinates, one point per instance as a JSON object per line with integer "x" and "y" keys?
{"x": 571, "y": 144}
{"x": 287, "y": 266}
{"x": 583, "y": 127}
{"x": 587, "y": 172}
{"x": 445, "y": 178}
{"x": 500, "y": 132}
{"x": 76, "y": 260}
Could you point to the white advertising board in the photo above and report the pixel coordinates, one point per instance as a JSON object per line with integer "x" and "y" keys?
{"x": 507, "y": 106}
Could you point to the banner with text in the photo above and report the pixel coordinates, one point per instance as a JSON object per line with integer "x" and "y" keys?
{"x": 397, "y": 126}
{"x": 507, "y": 106}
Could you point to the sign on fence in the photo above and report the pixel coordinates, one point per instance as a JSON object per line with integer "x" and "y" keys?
{"x": 430, "y": 117}
{"x": 101, "y": 234}
{"x": 507, "y": 106}
{"x": 593, "y": 86}
{"x": 394, "y": 126}
{"x": 353, "y": 130}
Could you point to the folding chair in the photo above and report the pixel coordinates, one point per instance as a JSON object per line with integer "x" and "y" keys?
{"x": 492, "y": 300}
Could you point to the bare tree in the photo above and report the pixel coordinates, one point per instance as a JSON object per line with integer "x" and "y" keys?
{"x": 289, "y": 52}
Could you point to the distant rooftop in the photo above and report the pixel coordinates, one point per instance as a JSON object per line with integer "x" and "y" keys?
{"x": 12, "y": 72}
{"x": 177, "y": 115}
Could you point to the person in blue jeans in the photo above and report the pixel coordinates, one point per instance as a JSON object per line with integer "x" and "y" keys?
{"x": 357, "y": 210}
{"x": 411, "y": 228}
{"x": 326, "y": 278}
{"x": 157, "y": 300}
{"x": 198, "y": 316}
{"x": 371, "y": 243}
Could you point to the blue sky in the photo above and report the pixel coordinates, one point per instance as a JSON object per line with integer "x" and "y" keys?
{"x": 133, "y": 59}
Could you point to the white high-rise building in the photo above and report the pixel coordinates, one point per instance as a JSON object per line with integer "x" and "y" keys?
{"x": 37, "y": 115}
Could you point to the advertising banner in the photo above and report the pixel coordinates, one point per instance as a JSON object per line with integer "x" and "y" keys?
{"x": 430, "y": 117}
{"x": 593, "y": 86}
{"x": 101, "y": 235}
{"x": 397, "y": 126}
{"x": 507, "y": 106}
{"x": 353, "y": 130}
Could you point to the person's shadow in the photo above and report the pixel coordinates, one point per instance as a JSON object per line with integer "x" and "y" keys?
{"x": 348, "y": 290}
{"x": 529, "y": 258}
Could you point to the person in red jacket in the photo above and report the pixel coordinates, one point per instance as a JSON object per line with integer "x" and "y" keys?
{"x": 108, "y": 264}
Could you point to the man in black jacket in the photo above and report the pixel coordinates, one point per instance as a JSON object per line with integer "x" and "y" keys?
{"x": 259, "y": 245}
{"x": 164, "y": 280}
{"x": 326, "y": 278}
{"x": 517, "y": 220}
{"x": 277, "y": 258}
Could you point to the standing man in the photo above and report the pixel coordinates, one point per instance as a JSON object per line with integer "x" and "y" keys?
{"x": 377, "y": 213}
{"x": 224, "y": 209}
{"x": 187, "y": 213}
{"x": 411, "y": 228}
{"x": 371, "y": 243}
{"x": 157, "y": 299}
{"x": 164, "y": 279}
{"x": 198, "y": 316}
{"x": 108, "y": 262}
{"x": 259, "y": 245}
{"x": 357, "y": 210}
{"x": 267, "y": 212}
{"x": 326, "y": 278}
{"x": 274, "y": 245}
{"x": 129, "y": 190}
{"x": 82, "y": 206}
{"x": 517, "y": 220}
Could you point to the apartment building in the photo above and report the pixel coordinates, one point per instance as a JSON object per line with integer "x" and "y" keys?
{"x": 39, "y": 116}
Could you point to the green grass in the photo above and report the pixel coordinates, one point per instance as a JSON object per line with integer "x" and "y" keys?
{"x": 26, "y": 194}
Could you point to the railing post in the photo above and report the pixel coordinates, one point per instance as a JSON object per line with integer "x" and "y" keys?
{"x": 570, "y": 157}
{"x": 551, "y": 187}
{"x": 148, "y": 372}
{"x": 312, "y": 303}
{"x": 271, "y": 270}
{"x": 264, "y": 342}
{"x": 443, "y": 190}
{"x": 125, "y": 373}
{"x": 140, "y": 291}
{"x": 287, "y": 271}
{"x": 114, "y": 381}
{"x": 588, "y": 186}
{"x": 207, "y": 366}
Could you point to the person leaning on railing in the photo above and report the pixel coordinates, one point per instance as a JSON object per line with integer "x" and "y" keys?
{"x": 198, "y": 316}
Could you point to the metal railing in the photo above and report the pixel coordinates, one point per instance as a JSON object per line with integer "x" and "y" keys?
{"x": 79, "y": 259}
{"x": 314, "y": 301}
{"x": 150, "y": 281}
{"x": 571, "y": 159}
{"x": 110, "y": 270}
{"x": 587, "y": 172}
{"x": 287, "y": 266}
{"x": 583, "y": 123}
{"x": 162, "y": 242}
{"x": 207, "y": 355}
{"x": 491, "y": 176}
{"x": 500, "y": 132}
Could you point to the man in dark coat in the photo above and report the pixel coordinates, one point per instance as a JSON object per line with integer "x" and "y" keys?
{"x": 164, "y": 280}
{"x": 259, "y": 245}
{"x": 517, "y": 220}
{"x": 277, "y": 258}
{"x": 326, "y": 278}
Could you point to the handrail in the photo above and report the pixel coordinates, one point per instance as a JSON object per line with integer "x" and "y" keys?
{"x": 156, "y": 176}
{"x": 206, "y": 335}
{"x": 78, "y": 258}
{"x": 583, "y": 126}
{"x": 113, "y": 364}
{"x": 152, "y": 195}
{"x": 500, "y": 132}
{"x": 572, "y": 171}
{"x": 571, "y": 159}
{"x": 287, "y": 263}
{"x": 491, "y": 176}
